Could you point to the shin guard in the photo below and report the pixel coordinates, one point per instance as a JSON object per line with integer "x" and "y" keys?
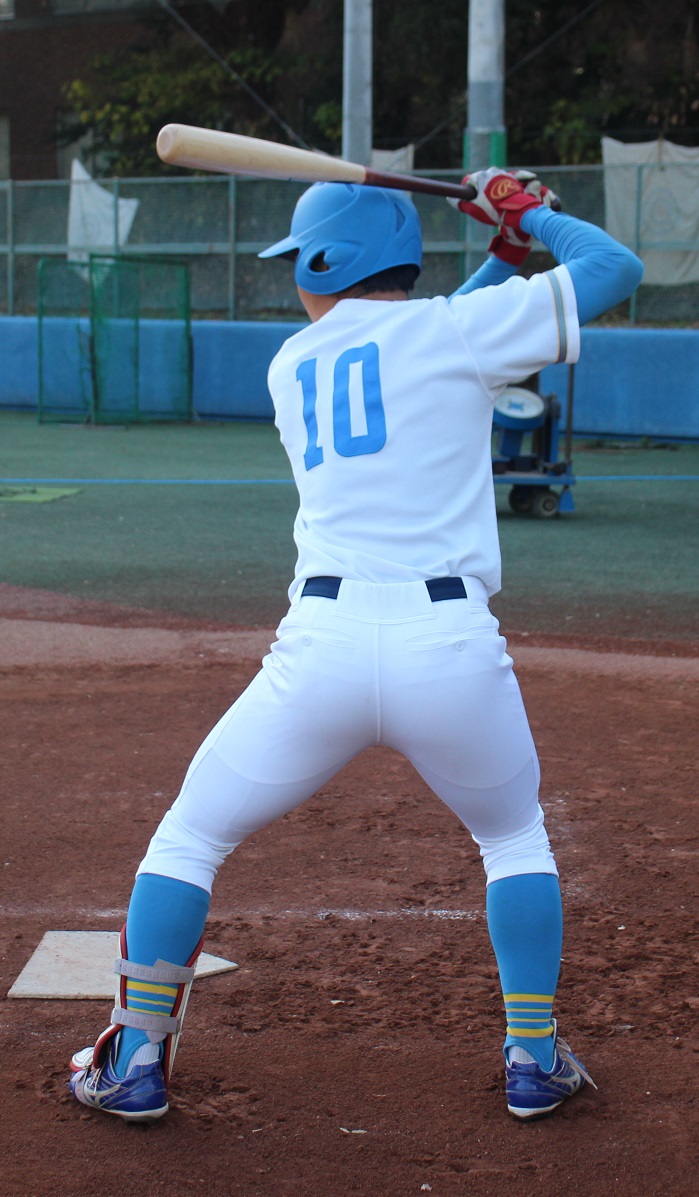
{"x": 158, "y": 1028}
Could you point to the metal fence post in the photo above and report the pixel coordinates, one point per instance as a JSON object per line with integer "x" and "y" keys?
{"x": 232, "y": 218}
{"x": 116, "y": 217}
{"x": 10, "y": 248}
{"x": 637, "y": 238}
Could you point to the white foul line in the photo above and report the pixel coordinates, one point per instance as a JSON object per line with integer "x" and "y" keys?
{"x": 325, "y": 913}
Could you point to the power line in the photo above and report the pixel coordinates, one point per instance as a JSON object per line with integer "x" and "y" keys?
{"x": 554, "y": 37}
{"x": 172, "y": 12}
{"x": 527, "y": 58}
{"x": 442, "y": 124}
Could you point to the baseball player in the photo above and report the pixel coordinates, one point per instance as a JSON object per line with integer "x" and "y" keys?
{"x": 384, "y": 405}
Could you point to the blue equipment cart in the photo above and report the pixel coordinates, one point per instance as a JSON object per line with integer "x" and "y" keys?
{"x": 527, "y": 449}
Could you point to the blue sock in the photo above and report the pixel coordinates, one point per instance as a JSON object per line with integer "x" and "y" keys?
{"x": 165, "y": 922}
{"x": 525, "y": 923}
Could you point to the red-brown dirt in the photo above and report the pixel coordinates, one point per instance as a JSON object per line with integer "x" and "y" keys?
{"x": 366, "y": 999}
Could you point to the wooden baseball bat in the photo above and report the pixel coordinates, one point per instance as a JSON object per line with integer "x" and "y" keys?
{"x": 233, "y": 154}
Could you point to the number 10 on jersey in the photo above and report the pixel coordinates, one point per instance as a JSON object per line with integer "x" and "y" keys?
{"x": 345, "y": 443}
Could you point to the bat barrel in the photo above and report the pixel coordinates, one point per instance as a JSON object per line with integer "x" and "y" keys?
{"x": 234, "y": 154}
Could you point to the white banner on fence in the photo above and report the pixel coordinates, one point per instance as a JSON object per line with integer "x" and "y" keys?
{"x": 91, "y": 217}
{"x": 669, "y": 211}
{"x": 400, "y": 161}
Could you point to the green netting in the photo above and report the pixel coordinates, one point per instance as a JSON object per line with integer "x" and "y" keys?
{"x": 66, "y": 367}
{"x": 114, "y": 340}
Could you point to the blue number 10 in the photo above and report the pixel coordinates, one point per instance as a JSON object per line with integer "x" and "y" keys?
{"x": 345, "y": 443}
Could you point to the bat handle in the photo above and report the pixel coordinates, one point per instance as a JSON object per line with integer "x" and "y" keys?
{"x": 379, "y": 178}
{"x": 459, "y": 191}
{"x": 462, "y": 191}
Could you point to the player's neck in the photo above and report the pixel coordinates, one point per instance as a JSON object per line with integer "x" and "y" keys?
{"x": 318, "y": 306}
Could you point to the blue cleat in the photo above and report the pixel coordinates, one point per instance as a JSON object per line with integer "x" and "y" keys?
{"x": 139, "y": 1097}
{"x": 533, "y": 1093}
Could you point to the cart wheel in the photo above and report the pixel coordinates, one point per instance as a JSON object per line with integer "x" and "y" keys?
{"x": 521, "y": 498}
{"x": 545, "y": 504}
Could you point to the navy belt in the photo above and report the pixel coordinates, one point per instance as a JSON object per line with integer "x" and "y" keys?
{"x": 439, "y": 588}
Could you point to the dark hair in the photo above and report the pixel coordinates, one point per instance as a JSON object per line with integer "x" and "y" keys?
{"x": 395, "y": 278}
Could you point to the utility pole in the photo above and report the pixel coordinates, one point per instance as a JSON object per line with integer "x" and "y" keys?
{"x": 357, "y": 136}
{"x": 485, "y": 141}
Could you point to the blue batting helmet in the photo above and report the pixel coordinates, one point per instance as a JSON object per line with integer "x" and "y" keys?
{"x": 349, "y": 232}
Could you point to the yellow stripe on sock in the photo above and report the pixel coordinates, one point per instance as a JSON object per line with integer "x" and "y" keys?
{"x": 529, "y": 997}
{"x": 170, "y": 991}
{"x": 526, "y": 1010}
{"x": 527, "y": 1033}
{"x": 135, "y": 1002}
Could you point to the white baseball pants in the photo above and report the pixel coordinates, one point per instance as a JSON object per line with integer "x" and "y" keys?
{"x": 381, "y": 664}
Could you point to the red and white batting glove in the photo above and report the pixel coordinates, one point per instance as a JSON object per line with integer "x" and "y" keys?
{"x": 510, "y": 246}
{"x": 535, "y": 187}
{"x": 503, "y": 197}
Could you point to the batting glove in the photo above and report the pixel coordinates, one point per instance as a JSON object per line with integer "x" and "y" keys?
{"x": 504, "y": 196}
{"x": 512, "y": 246}
{"x": 535, "y": 187}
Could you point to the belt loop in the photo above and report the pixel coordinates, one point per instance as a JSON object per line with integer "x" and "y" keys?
{"x": 445, "y": 588}
{"x": 322, "y": 587}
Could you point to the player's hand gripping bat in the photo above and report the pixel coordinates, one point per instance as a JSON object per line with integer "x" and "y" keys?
{"x": 498, "y": 188}
{"x": 233, "y": 154}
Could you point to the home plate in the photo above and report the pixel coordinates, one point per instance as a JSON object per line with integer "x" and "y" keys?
{"x": 80, "y": 964}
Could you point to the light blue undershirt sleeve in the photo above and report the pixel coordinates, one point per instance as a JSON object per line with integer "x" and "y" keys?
{"x": 603, "y": 271}
{"x": 490, "y": 274}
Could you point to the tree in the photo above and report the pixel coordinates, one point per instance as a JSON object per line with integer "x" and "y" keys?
{"x": 123, "y": 100}
{"x": 629, "y": 71}
{"x": 420, "y": 63}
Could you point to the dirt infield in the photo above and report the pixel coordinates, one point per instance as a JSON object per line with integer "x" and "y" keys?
{"x": 357, "y": 1048}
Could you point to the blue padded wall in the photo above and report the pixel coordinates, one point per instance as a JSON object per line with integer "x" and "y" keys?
{"x": 628, "y": 382}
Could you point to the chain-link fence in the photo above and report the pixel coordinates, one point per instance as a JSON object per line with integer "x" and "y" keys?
{"x": 219, "y": 224}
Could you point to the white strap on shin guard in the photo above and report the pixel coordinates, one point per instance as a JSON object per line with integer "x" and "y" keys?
{"x": 157, "y": 1027}
{"x": 160, "y": 973}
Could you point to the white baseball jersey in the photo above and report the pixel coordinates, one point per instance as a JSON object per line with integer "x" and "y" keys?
{"x": 385, "y": 409}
